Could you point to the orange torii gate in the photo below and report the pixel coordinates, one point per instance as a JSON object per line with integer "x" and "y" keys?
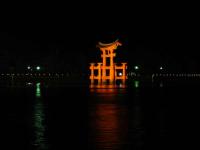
{"x": 107, "y": 70}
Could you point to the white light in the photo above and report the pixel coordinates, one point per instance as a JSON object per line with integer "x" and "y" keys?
{"x": 120, "y": 74}
{"x": 136, "y": 67}
{"x": 38, "y": 67}
{"x": 161, "y": 68}
{"x": 28, "y": 67}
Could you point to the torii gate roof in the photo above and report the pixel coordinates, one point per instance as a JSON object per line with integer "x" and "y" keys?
{"x": 103, "y": 45}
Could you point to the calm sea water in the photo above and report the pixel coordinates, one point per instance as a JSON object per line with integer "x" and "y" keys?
{"x": 158, "y": 116}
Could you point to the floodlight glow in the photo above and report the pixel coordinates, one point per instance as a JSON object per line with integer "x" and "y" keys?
{"x": 136, "y": 67}
{"x": 38, "y": 67}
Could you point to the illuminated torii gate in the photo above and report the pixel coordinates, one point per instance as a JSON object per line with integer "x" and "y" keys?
{"x": 107, "y": 70}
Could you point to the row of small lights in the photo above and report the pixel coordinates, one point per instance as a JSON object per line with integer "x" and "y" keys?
{"x": 177, "y": 75}
{"x": 27, "y": 74}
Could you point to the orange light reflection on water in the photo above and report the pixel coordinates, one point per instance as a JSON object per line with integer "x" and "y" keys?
{"x": 106, "y": 88}
{"x": 108, "y": 123}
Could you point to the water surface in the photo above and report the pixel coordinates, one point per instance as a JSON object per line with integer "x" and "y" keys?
{"x": 38, "y": 117}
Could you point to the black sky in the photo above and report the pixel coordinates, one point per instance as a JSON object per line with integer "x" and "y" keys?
{"x": 159, "y": 31}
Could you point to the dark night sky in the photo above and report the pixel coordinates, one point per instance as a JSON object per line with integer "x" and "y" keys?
{"x": 168, "y": 33}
